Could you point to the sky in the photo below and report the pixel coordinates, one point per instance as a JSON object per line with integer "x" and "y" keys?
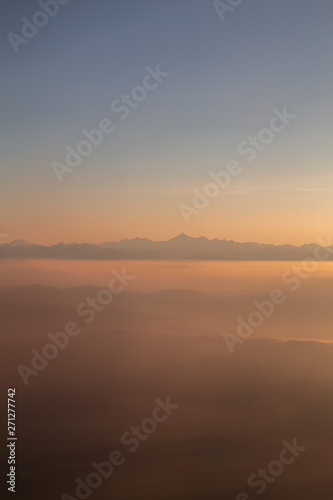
{"x": 221, "y": 81}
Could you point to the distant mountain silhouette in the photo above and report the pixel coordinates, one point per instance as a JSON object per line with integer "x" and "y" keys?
{"x": 181, "y": 247}
{"x": 19, "y": 243}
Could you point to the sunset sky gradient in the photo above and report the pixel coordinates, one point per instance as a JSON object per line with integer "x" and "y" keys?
{"x": 225, "y": 79}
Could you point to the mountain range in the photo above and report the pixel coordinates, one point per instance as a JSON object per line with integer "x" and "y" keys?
{"x": 181, "y": 247}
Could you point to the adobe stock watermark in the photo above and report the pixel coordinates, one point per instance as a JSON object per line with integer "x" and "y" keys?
{"x": 132, "y": 439}
{"x": 123, "y": 106}
{"x": 265, "y": 309}
{"x": 86, "y": 309}
{"x": 249, "y": 148}
{"x": 264, "y": 477}
{"x": 222, "y": 8}
{"x": 30, "y": 28}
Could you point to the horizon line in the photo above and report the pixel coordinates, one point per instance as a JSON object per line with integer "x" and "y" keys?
{"x": 180, "y": 235}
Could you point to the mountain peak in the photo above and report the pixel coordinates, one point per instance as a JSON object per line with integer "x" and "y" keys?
{"x": 182, "y": 236}
{"x": 20, "y": 243}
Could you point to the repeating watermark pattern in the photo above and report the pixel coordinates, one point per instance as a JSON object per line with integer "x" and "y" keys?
{"x": 130, "y": 439}
{"x": 248, "y": 148}
{"x": 265, "y": 309}
{"x": 263, "y": 477}
{"x": 223, "y": 8}
{"x": 123, "y": 107}
{"x": 86, "y": 309}
{"x": 40, "y": 19}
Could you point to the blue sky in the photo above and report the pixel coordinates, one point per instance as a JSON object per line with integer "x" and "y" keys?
{"x": 225, "y": 79}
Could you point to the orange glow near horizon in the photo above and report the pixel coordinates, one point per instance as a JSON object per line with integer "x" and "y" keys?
{"x": 275, "y": 231}
{"x": 96, "y": 216}
{"x": 205, "y": 276}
